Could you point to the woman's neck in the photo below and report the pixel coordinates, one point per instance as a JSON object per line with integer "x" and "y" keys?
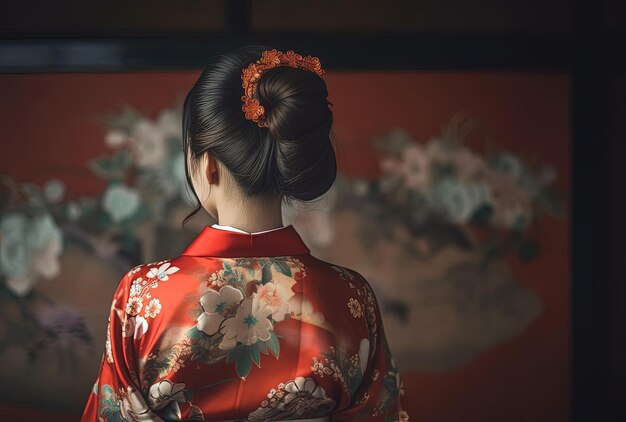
{"x": 255, "y": 214}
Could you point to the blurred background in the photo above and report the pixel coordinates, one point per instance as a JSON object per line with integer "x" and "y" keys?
{"x": 480, "y": 188}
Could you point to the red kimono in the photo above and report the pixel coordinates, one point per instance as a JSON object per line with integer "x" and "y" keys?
{"x": 245, "y": 327}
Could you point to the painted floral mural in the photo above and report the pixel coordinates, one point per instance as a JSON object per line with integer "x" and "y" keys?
{"x": 432, "y": 234}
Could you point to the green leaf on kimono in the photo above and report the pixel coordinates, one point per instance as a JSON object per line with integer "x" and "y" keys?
{"x": 109, "y": 405}
{"x": 273, "y": 344}
{"x": 193, "y": 333}
{"x": 234, "y": 354}
{"x": 266, "y": 273}
{"x": 188, "y": 394}
{"x": 282, "y": 267}
{"x": 262, "y": 346}
{"x": 228, "y": 268}
{"x": 171, "y": 412}
{"x": 390, "y": 382}
{"x": 255, "y": 354}
{"x": 243, "y": 366}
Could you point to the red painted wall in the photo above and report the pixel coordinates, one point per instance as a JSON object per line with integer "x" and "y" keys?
{"x": 48, "y": 130}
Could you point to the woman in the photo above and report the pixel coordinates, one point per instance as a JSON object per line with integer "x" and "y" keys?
{"x": 246, "y": 324}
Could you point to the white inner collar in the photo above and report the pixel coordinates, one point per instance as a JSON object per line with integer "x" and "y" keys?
{"x": 235, "y": 229}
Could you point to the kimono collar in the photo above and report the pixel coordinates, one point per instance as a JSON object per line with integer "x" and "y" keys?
{"x": 216, "y": 242}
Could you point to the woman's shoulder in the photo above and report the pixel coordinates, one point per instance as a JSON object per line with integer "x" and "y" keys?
{"x": 342, "y": 271}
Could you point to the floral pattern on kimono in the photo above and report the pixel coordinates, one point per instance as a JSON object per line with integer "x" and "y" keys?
{"x": 245, "y": 327}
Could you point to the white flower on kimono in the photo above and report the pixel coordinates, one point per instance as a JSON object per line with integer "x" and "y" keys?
{"x": 135, "y": 287}
{"x": 300, "y": 397}
{"x": 163, "y": 272}
{"x": 276, "y": 295}
{"x": 302, "y": 389}
{"x": 107, "y": 344}
{"x": 153, "y": 308}
{"x": 250, "y": 325}
{"x": 164, "y": 392}
{"x": 134, "y": 305}
{"x": 135, "y": 327}
{"x": 134, "y": 408}
{"x": 134, "y": 270}
{"x": 214, "y": 304}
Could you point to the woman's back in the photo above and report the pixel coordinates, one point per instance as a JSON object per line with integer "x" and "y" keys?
{"x": 250, "y": 327}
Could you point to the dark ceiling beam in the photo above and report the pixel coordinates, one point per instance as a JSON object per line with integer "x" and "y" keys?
{"x": 338, "y": 51}
{"x": 238, "y": 16}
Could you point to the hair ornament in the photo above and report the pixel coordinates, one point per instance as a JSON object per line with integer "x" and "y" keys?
{"x": 269, "y": 59}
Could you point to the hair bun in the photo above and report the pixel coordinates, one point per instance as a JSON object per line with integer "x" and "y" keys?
{"x": 299, "y": 121}
{"x": 271, "y": 59}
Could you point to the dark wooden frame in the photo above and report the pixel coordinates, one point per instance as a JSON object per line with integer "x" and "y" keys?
{"x": 582, "y": 54}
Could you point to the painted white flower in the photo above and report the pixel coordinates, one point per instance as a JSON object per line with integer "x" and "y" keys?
{"x": 115, "y": 138}
{"x": 459, "y": 200}
{"x": 120, "y": 201}
{"x": 214, "y": 304}
{"x": 148, "y": 145}
{"x": 163, "y": 272}
{"x": 135, "y": 327}
{"x": 168, "y": 122}
{"x": 73, "y": 211}
{"x": 153, "y": 308}
{"x": 250, "y": 325}
{"x": 29, "y": 249}
{"x": 54, "y": 190}
{"x": 164, "y": 392}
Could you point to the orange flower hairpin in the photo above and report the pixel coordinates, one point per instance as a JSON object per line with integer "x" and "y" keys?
{"x": 269, "y": 59}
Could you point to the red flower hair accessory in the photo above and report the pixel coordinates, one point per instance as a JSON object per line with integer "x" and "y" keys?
{"x": 269, "y": 59}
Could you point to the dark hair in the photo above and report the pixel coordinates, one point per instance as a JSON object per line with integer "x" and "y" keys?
{"x": 293, "y": 157}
